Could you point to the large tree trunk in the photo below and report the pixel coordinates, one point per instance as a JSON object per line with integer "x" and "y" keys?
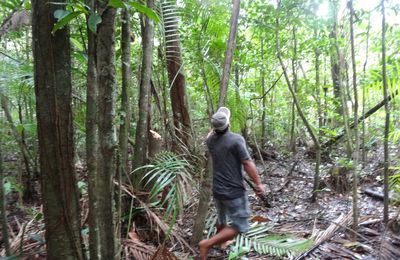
{"x": 180, "y": 109}
{"x": 107, "y": 140}
{"x": 141, "y": 142}
{"x": 387, "y": 123}
{"x": 56, "y": 145}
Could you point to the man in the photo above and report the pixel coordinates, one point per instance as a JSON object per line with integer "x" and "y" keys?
{"x": 229, "y": 155}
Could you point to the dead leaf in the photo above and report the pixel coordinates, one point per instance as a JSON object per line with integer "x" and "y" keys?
{"x": 260, "y": 219}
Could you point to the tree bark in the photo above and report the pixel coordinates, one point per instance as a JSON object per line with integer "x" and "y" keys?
{"x": 364, "y": 152}
{"x": 122, "y": 167}
{"x": 336, "y": 66}
{"x": 355, "y": 107}
{"x": 52, "y": 73}
{"x": 230, "y": 46}
{"x": 264, "y": 99}
{"x": 292, "y": 143}
{"x": 105, "y": 70}
{"x": 319, "y": 109}
{"x": 179, "y": 102}
{"x": 91, "y": 138}
{"x": 141, "y": 153}
{"x": 387, "y": 123}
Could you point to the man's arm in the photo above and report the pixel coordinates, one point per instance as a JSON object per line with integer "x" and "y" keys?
{"x": 251, "y": 170}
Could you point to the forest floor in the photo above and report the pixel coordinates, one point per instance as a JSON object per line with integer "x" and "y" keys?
{"x": 327, "y": 221}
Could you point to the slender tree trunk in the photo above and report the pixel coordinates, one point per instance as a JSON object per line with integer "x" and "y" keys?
{"x": 370, "y": 112}
{"x": 105, "y": 70}
{"x": 345, "y": 116}
{"x": 300, "y": 111}
{"x": 264, "y": 99}
{"x": 91, "y": 138}
{"x": 140, "y": 155}
{"x": 27, "y": 176}
{"x": 125, "y": 111}
{"x": 319, "y": 111}
{"x": 205, "y": 191}
{"x": 294, "y": 71}
{"x": 335, "y": 63}
{"x": 364, "y": 152}
{"x": 3, "y": 213}
{"x": 356, "y": 146}
{"x": 52, "y": 76}
{"x": 230, "y": 46}
{"x": 26, "y": 156}
{"x": 387, "y": 123}
{"x": 180, "y": 106}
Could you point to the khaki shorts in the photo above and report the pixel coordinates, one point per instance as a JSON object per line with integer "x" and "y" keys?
{"x": 236, "y": 210}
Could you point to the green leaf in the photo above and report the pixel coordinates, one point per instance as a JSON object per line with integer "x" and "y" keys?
{"x": 60, "y": 14}
{"x": 7, "y": 187}
{"x": 7, "y": 5}
{"x": 94, "y": 20}
{"x": 14, "y": 257}
{"x": 145, "y": 10}
{"x": 65, "y": 20}
{"x": 77, "y": 44}
{"x": 116, "y": 3}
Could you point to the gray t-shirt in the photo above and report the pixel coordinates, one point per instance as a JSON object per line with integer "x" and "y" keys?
{"x": 228, "y": 150}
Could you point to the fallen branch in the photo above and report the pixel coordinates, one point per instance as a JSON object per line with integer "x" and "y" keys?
{"x": 374, "y": 194}
{"x": 362, "y": 118}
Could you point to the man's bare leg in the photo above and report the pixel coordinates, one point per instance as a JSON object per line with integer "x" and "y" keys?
{"x": 224, "y": 235}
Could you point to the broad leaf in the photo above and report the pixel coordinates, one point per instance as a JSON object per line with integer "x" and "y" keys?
{"x": 94, "y": 20}
{"x": 65, "y": 20}
{"x": 116, "y": 3}
{"x": 77, "y": 44}
{"x": 60, "y": 14}
{"x": 145, "y": 10}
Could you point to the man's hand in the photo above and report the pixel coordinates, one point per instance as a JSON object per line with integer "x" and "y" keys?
{"x": 259, "y": 190}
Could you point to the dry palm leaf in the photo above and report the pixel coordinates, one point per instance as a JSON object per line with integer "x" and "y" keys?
{"x": 163, "y": 253}
{"x": 134, "y": 249}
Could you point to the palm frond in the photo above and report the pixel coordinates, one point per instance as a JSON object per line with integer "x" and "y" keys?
{"x": 157, "y": 221}
{"x": 168, "y": 172}
{"x": 261, "y": 240}
{"x": 134, "y": 249}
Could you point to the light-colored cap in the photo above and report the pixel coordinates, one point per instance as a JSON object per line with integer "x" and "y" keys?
{"x": 220, "y": 120}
